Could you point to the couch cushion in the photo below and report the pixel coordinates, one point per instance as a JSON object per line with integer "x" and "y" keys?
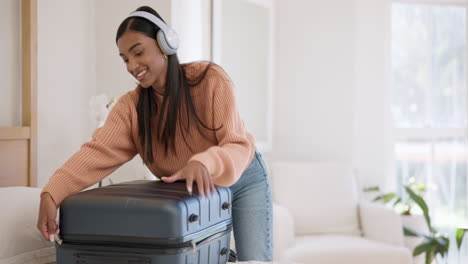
{"x": 345, "y": 249}
{"x": 322, "y": 197}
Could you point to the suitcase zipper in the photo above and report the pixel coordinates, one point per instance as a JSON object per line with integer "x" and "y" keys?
{"x": 142, "y": 247}
{"x": 167, "y": 242}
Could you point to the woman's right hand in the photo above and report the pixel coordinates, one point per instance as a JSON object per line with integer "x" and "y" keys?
{"x": 46, "y": 222}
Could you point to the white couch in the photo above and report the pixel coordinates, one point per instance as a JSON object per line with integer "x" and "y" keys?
{"x": 318, "y": 218}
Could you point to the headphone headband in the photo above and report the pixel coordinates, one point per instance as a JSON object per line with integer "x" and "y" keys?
{"x": 166, "y": 36}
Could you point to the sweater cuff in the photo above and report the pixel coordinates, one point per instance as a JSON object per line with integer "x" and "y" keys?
{"x": 206, "y": 161}
{"x": 57, "y": 195}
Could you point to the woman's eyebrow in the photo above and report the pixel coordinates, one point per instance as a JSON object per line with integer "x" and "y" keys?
{"x": 130, "y": 49}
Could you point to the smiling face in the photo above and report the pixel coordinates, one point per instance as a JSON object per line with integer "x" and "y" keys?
{"x": 144, "y": 59}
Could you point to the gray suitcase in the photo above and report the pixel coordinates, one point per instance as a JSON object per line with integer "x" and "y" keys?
{"x": 145, "y": 222}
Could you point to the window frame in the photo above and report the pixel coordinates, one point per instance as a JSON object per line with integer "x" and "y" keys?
{"x": 402, "y": 133}
{"x": 431, "y": 135}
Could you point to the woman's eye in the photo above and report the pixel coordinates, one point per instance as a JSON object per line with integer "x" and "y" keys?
{"x": 139, "y": 53}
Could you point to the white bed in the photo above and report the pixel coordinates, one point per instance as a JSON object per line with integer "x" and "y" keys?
{"x": 20, "y": 241}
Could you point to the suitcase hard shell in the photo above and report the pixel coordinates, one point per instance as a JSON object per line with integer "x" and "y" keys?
{"x": 145, "y": 222}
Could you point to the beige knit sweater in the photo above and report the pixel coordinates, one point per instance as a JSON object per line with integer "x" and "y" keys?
{"x": 225, "y": 153}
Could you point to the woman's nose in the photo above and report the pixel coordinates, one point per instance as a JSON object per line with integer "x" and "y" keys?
{"x": 131, "y": 66}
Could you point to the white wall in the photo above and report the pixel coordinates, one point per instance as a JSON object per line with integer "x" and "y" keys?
{"x": 372, "y": 153}
{"x": 315, "y": 80}
{"x": 330, "y": 94}
{"x": 10, "y": 63}
{"x": 66, "y": 80}
{"x": 191, "y": 19}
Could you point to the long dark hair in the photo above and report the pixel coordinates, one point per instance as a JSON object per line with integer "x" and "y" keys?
{"x": 177, "y": 94}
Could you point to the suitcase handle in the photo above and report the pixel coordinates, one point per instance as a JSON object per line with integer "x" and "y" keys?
{"x": 95, "y": 259}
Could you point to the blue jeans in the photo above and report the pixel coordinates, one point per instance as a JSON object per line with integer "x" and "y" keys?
{"x": 252, "y": 213}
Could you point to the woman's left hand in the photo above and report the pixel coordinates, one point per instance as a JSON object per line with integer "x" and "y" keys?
{"x": 194, "y": 171}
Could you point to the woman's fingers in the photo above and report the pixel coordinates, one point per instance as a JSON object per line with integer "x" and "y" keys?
{"x": 42, "y": 226}
{"x": 46, "y": 222}
{"x": 207, "y": 184}
{"x": 194, "y": 171}
{"x": 189, "y": 183}
{"x": 174, "y": 177}
{"x": 179, "y": 175}
{"x": 204, "y": 181}
{"x": 212, "y": 186}
{"x": 200, "y": 184}
{"x": 52, "y": 227}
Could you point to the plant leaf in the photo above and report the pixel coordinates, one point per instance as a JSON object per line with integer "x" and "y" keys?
{"x": 410, "y": 232}
{"x": 372, "y": 189}
{"x": 387, "y": 197}
{"x": 442, "y": 245}
{"x": 459, "y": 236}
{"x": 441, "y": 241}
{"x": 378, "y": 198}
{"x": 426, "y": 246}
{"x": 422, "y": 204}
{"x": 397, "y": 201}
{"x": 442, "y": 249}
{"x": 429, "y": 257}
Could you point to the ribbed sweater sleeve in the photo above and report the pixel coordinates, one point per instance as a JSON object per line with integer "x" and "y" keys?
{"x": 226, "y": 161}
{"x": 110, "y": 147}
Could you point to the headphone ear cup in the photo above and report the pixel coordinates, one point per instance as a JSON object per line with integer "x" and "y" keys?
{"x": 161, "y": 38}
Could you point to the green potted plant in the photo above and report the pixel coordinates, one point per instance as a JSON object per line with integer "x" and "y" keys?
{"x": 403, "y": 205}
{"x": 434, "y": 243}
{"x": 422, "y": 237}
{"x": 411, "y": 215}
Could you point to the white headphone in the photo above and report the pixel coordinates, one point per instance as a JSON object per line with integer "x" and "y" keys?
{"x": 167, "y": 38}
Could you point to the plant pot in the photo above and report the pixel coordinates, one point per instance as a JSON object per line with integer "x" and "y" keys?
{"x": 416, "y": 223}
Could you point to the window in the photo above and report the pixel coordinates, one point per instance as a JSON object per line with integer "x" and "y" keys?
{"x": 429, "y": 109}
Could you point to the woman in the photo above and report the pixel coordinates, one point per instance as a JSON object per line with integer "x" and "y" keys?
{"x": 183, "y": 121}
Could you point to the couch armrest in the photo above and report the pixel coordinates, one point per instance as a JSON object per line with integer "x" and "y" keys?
{"x": 380, "y": 223}
{"x": 283, "y": 230}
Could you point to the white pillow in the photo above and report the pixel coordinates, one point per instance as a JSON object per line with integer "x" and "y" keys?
{"x": 321, "y": 196}
{"x": 20, "y": 241}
